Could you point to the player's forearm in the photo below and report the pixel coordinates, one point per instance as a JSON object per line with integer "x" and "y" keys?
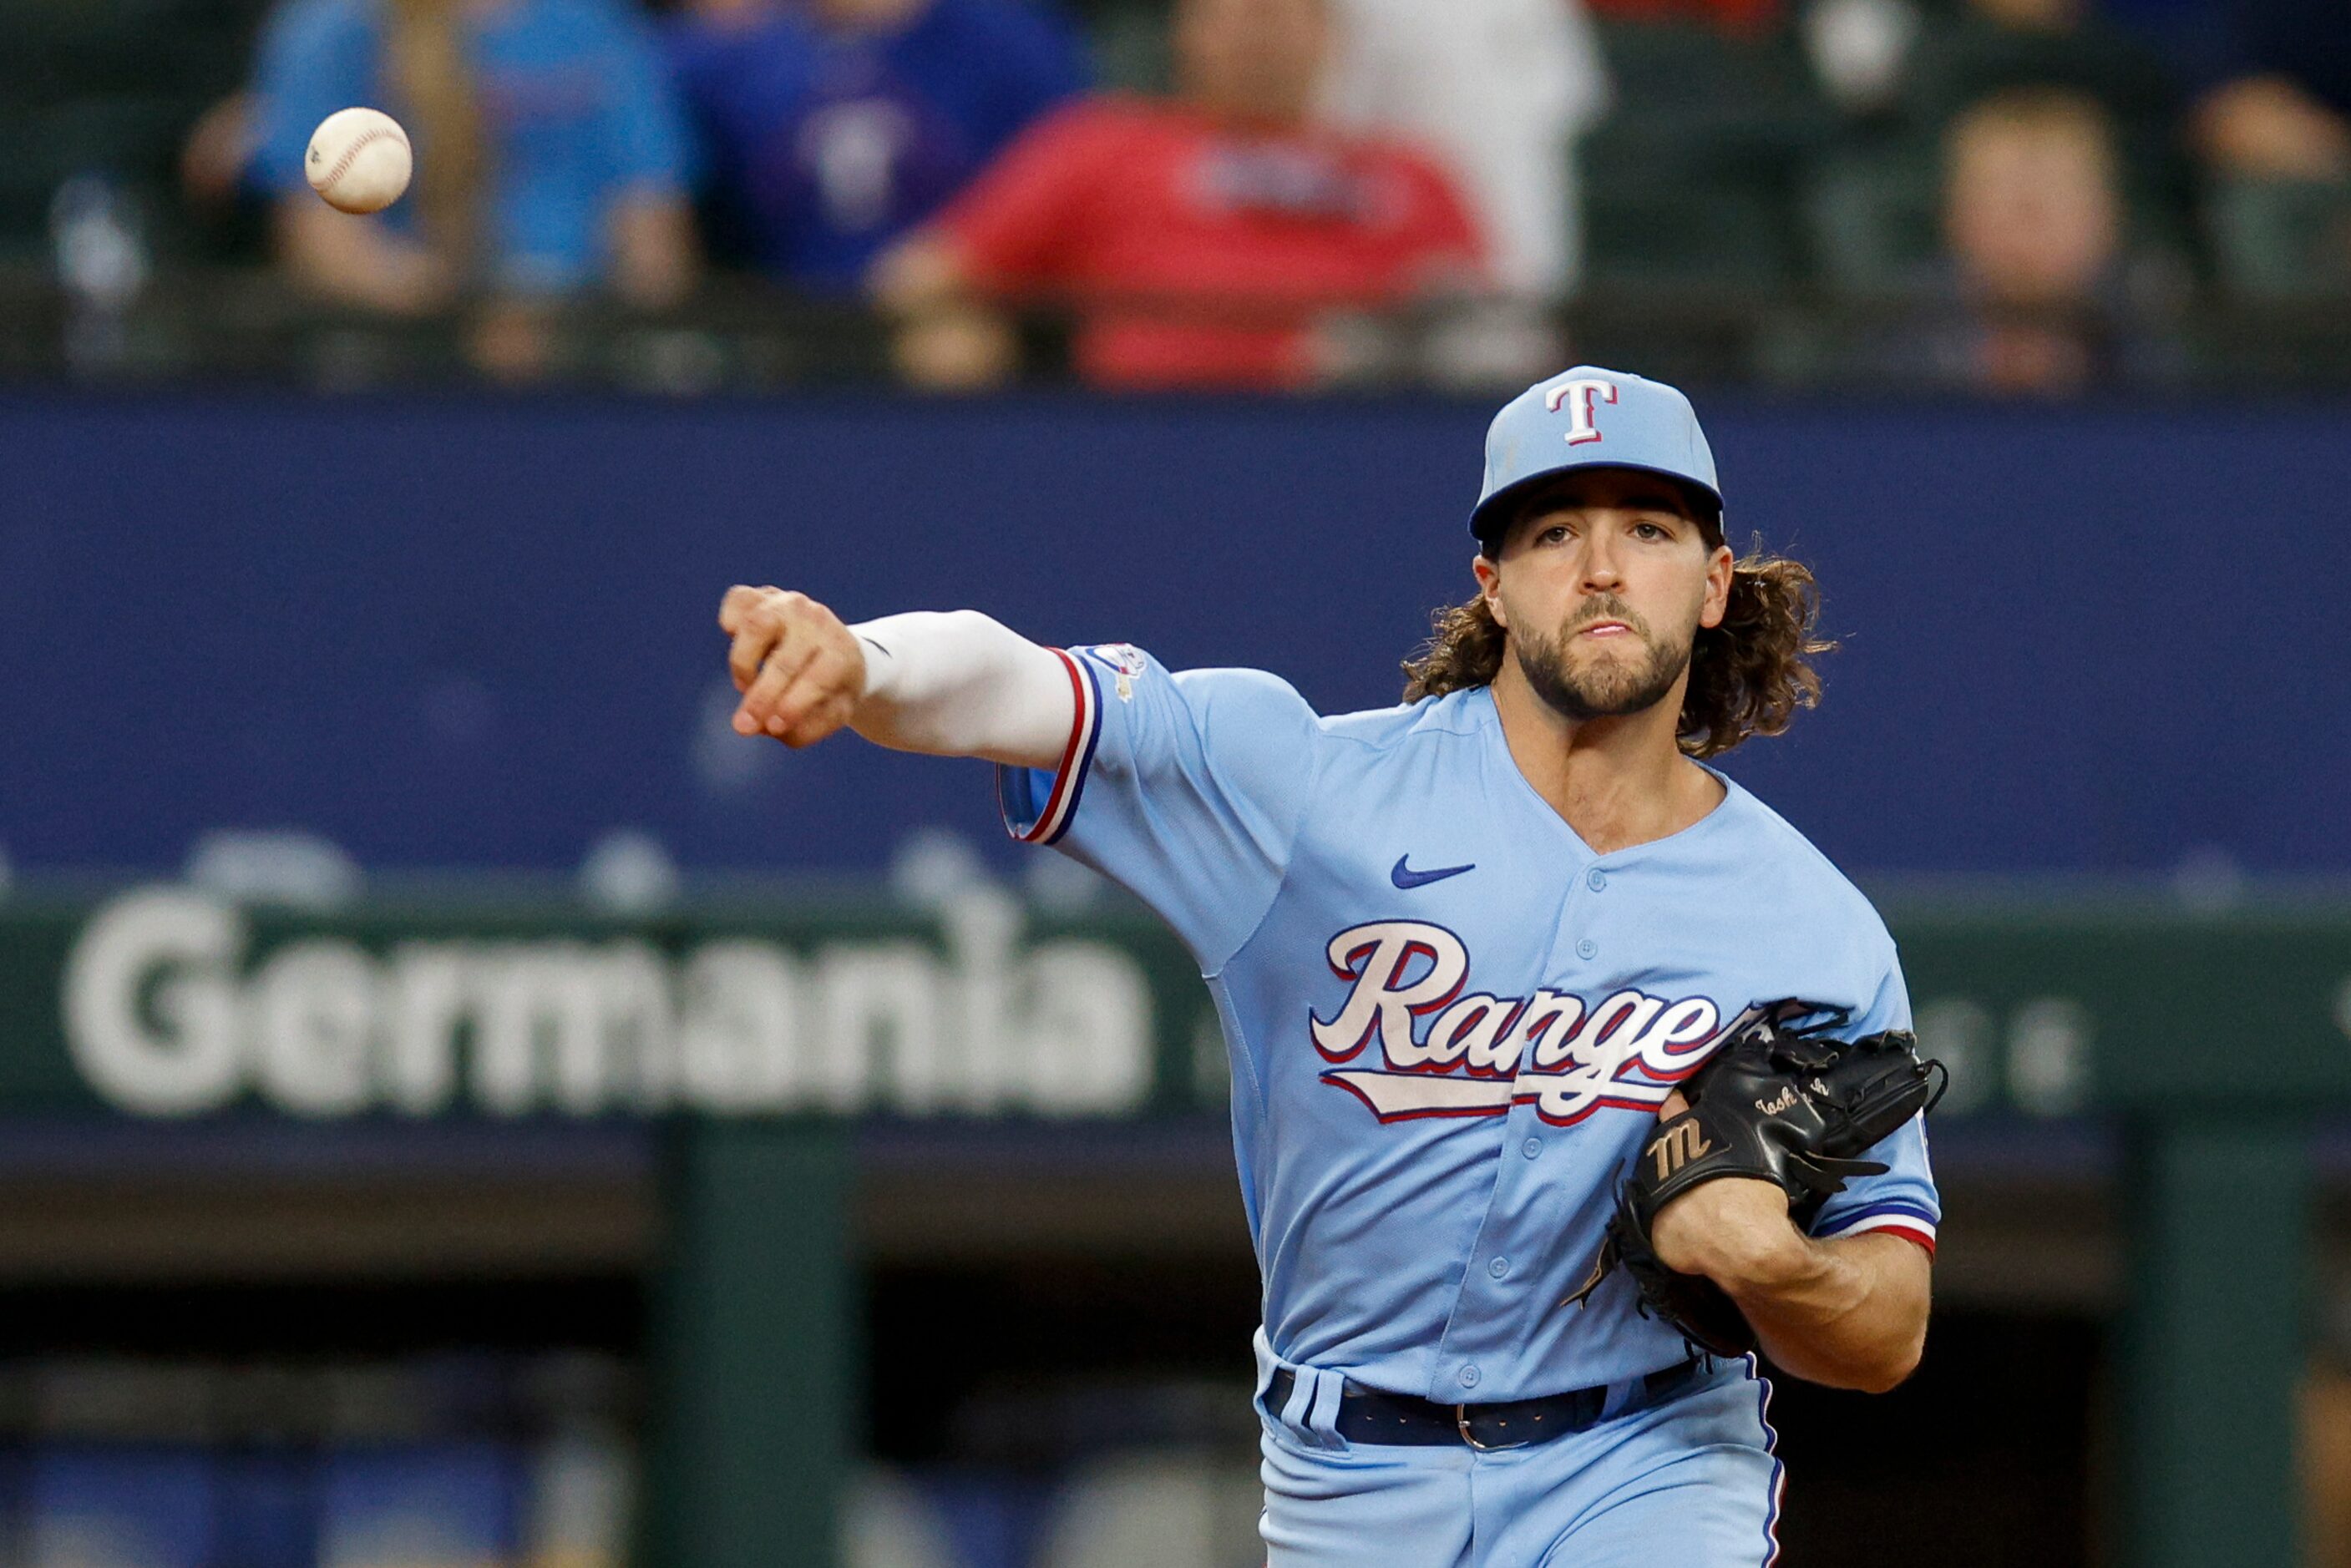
{"x": 956, "y": 683}
{"x": 1850, "y": 1311}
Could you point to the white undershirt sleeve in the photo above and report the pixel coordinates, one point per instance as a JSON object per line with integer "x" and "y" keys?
{"x": 955, "y": 683}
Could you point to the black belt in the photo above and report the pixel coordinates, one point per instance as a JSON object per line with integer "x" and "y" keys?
{"x": 1368, "y": 1416}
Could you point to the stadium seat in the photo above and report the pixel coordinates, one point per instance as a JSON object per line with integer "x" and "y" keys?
{"x": 1156, "y": 1510}
{"x": 453, "y": 1505}
{"x": 1871, "y": 220}
{"x": 1690, "y": 181}
{"x": 1687, "y": 235}
{"x": 889, "y": 1523}
{"x": 1687, "y": 93}
{"x": 578, "y": 1513}
{"x": 267, "y": 1515}
{"x": 1130, "y": 46}
{"x": 104, "y": 1506}
{"x": 2282, "y": 240}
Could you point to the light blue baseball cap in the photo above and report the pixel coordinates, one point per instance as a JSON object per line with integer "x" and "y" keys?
{"x": 1589, "y": 418}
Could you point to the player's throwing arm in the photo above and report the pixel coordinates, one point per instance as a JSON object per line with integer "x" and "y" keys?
{"x": 953, "y": 683}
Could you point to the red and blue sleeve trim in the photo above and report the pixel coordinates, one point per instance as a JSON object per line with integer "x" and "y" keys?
{"x": 1911, "y": 1221}
{"x": 1077, "y": 757}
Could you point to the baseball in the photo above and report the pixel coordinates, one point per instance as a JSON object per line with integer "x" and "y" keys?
{"x": 359, "y": 161}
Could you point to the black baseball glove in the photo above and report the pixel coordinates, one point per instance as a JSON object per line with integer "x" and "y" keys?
{"x": 1781, "y": 1101}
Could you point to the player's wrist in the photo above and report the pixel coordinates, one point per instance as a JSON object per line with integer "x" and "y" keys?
{"x": 873, "y": 664}
{"x": 1736, "y": 1232}
{"x": 1769, "y": 1267}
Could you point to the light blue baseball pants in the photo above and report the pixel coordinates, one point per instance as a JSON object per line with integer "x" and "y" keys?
{"x": 1691, "y": 1481}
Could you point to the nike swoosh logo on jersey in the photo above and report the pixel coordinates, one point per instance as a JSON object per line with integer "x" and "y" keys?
{"x": 1404, "y": 876}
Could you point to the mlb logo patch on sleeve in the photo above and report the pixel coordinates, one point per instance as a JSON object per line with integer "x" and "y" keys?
{"x": 1123, "y": 659}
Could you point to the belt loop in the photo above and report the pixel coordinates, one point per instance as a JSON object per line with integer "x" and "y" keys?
{"x": 1621, "y": 1394}
{"x": 1267, "y": 1364}
{"x": 1301, "y": 1400}
{"x": 1312, "y": 1411}
{"x": 1323, "y": 1415}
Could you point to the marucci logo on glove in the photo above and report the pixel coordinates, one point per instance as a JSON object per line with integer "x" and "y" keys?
{"x": 1682, "y": 1142}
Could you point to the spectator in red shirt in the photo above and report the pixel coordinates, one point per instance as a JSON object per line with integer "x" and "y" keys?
{"x": 1201, "y": 242}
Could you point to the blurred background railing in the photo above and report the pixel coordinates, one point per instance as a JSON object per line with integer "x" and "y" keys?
{"x": 739, "y": 335}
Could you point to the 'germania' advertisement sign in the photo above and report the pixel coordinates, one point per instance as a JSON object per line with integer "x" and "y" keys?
{"x": 174, "y": 1003}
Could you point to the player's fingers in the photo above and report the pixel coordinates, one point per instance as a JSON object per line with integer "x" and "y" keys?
{"x": 738, "y": 603}
{"x": 752, "y": 645}
{"x": 785, "y": 664}
{"x": 822, "y": 683}
{"x": 764, "y": 620}
{"x": 1675, "y": 1105}
{"x": 824, "y": 719}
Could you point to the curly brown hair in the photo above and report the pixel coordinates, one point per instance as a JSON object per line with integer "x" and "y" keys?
{"x": 1747, "y": 676}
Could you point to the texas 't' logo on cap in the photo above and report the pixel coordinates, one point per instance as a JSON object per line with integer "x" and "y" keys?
{"x": 1580, "y": 398}
{"x": 1589, "y": 416}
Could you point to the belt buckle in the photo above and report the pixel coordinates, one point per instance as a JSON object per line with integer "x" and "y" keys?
{"x": 1461, "y": 1424}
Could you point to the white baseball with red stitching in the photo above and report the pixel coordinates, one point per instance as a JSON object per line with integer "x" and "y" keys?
{"x": 359, "y": 161}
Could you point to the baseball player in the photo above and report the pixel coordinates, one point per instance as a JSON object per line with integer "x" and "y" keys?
{"x": 1471, "y": 954}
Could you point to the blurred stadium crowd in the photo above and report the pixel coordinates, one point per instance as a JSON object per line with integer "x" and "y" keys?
{"x": 133, "y": 1462}
{"x": 2029, "y": 197}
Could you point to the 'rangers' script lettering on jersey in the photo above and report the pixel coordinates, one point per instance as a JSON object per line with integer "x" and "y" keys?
{"x": 1481, "y": 1051}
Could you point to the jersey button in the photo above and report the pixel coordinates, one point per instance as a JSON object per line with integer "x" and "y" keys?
{"x": 1587, "y": 948}
{"x": 1596, "y": 879}
{"x": 1498, "y": 1267}
{"x": 1533, "y": 1146}
{"x": 1468, "y": 1377}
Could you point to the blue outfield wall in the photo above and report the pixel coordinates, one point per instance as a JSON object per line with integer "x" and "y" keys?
{"x": 478, "y": 631}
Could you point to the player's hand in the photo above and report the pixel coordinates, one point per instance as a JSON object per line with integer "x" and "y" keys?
{"x": 801, "y": 670}
{"x": 1734, "y": 1231}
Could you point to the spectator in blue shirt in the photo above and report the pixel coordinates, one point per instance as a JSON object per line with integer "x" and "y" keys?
{"x": 551, "y": 156}
{"x": 833, "y": 126}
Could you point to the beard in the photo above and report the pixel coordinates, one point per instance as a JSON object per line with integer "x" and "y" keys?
{"x": 1608, "y": 686}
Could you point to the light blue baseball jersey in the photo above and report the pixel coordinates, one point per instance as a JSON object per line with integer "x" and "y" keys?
{"x": 1450, "y": 1023}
